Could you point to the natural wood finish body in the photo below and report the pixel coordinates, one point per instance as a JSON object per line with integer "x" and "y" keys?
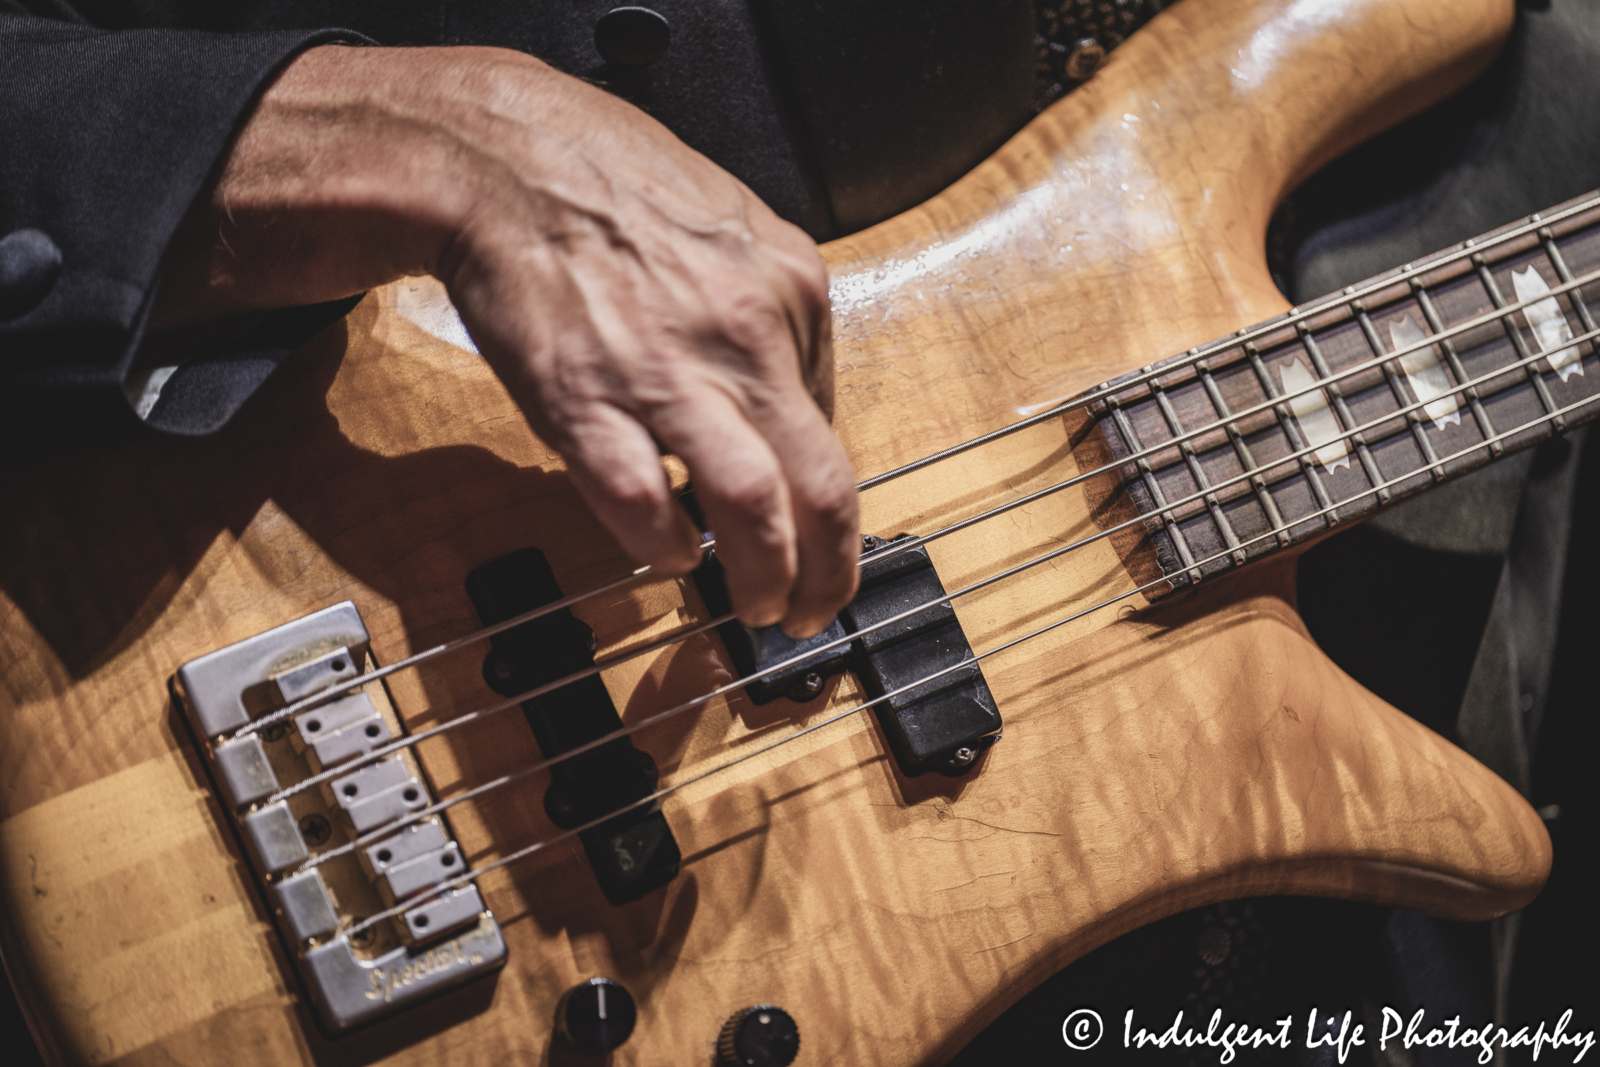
{"x": 1184, "y": 755}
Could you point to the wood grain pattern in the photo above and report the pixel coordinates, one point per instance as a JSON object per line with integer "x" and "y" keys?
{"x": 1151, "y": 761}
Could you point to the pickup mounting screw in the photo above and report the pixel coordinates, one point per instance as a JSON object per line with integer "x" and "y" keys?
{"x": 806, "y": 688}
{"x": 963, "y": 756}
{"x": 560, "y": 807}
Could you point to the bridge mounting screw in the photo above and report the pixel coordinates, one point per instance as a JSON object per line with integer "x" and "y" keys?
{"x": 315, "y": 829}
{"x": 963, "y": 756}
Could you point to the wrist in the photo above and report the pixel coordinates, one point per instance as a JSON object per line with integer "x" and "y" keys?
{"x": 354, "y": 168}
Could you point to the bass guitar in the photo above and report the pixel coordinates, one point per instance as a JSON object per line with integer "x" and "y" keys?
{"x": 273, "y": 794}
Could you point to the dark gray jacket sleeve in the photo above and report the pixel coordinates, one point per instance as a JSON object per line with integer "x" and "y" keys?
{"x": 106, "y": 138}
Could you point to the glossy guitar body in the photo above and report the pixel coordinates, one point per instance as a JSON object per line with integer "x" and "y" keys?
{"x": 1152, "y": 761}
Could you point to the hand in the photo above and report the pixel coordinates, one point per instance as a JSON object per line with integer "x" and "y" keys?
{"x": 632, "y": 296}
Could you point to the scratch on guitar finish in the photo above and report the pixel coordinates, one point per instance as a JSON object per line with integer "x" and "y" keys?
{"x": 946, "y": 813}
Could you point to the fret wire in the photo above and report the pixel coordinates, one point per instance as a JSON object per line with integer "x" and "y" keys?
{"x": 666, "y": 791}
{"x": 1106, "y": 390}
{"x": 1241, "y": 449}
{"x": 1291, "y": 430}
{"x": 1250, "y": 334}
{"x": 1532, "y": 372}
{"x": 1414, "y": 420}
{"x": 1181, "y": 543}
{"x": 1448, "y": 347}
{"x": 1196, "y": 471}
{"x": 1341, "y": 409}
{"x": 1280, "y": 530}
{"x": 1559, "y": 262}
{"x": 1274, "y": 405}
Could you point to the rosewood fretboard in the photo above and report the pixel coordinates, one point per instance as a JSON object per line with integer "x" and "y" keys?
{"x": 1268, "y": 437}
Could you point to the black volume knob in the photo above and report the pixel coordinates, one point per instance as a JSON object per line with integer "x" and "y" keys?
{"x": 761, "y": 1036}
{"x": 596, "y": 1017}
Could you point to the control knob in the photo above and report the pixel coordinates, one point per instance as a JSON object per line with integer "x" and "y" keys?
{"x": 596, "y": 1017}
{"x": 760, "y": 1036}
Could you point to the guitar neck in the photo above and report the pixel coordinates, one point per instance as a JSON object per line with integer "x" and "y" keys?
{"x": 1279, "y": 433}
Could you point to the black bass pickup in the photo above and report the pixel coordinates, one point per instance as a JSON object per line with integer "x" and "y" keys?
{"x": 634, "y": 852}
{"x": 941, "y": 725}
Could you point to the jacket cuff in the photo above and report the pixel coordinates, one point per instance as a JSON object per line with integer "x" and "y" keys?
{"x": 109, "y": 136}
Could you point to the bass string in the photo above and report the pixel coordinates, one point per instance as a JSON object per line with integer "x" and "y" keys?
{"x": 666, "y": 791}
{"x": 643, "y": 724}
{"x": 416, "y": 659}
{"x": 691, "y": 631}
{"x": 1229, "y": 422}
{"x": 1193, "y": 356}
{"x": 1294, "y": 317}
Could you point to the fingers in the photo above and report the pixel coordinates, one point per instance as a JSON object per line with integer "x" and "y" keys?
{"x": 742, "y": 488}
{"x": 614, "y": 464}
{"x": 797, "y": 271}
{"x": 788, "y": 528}
{"x": 781, "y": 500}
{"x": 785, "y": 519}
{"x": 826, "y": 518}
{"x": 627, "y": 305}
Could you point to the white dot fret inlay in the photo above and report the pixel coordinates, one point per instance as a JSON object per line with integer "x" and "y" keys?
{"x": 1425, "y": 373}
{"x": 1316, "y": 419}
{"x": 1549, "y": 326}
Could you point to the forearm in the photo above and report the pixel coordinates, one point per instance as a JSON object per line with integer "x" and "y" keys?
{"x": 351, "y": 172}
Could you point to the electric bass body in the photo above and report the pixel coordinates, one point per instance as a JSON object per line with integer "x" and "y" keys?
{"x": 1154, "y": 758}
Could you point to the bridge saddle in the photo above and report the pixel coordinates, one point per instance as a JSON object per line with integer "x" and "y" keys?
{"x": 352, "y": 978}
